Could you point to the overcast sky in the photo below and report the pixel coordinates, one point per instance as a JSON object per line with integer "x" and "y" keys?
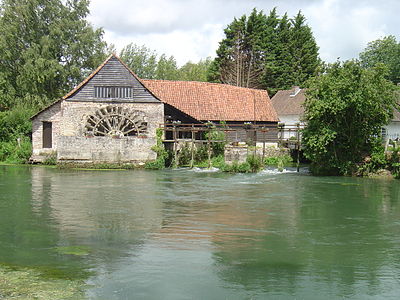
{"x": 191, "y": 29}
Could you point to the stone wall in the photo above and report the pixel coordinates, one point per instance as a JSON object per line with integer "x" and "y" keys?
{"x": 106, "y": 149}
{"x": 239, "y": 153}
{"x": 74, "y": 146}
{"x": 51, "y": 114}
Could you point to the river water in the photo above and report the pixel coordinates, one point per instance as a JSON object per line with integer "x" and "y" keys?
{"x": 190, "y": 234}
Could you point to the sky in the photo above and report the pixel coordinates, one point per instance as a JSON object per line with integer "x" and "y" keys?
{"x": 191, "y": 29}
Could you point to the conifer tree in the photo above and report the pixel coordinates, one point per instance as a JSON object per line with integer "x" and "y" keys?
{"x": 304, "y": 50}
{"x": 274, "y": 52}
{"x": 240, "y": 55}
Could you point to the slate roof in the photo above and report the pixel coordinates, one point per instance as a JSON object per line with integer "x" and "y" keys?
{"x": 213, "y": 101}
{"x": 285, "y": 104}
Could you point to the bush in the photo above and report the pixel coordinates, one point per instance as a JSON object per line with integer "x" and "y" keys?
{"x": 255, "y": 162}
{"x": 237, "y": 167}
{"x": 375, "y": 162}
{"x": 394, "y": 163}
{"x": 51, "y": 159}
{"x": 159, "y": 149}
{"x": 12, "y": 152}
{"x": 345, "y": 108}
{"x": 278, "y": 160}
{"x": 15, "y": 123}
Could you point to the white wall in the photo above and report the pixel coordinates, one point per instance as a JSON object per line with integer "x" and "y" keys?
{"x": 289, "y": 120}
{"x": 393, "y": 130}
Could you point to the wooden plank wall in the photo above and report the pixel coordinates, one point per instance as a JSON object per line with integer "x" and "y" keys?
{"x": 114, "y": 74}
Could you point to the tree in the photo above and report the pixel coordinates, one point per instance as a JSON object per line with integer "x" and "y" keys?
{"x": 345, "y": 110}
{"x": 303, "y": 50}
{"x": 140, "y": 59}
{"x": 279, "y": 60}
{"x": 195, "y": 71}
{"x": 239, "y": 57}
{"x": 46, "y": 48}
{"x": 266, "y": 52}
{"x": 386, "y": 51}
{"x": 167, "y": 68}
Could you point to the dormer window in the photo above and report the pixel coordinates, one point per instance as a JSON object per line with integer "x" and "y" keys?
{"x": 296, "y": 90}
{"x": 119, "y": 92}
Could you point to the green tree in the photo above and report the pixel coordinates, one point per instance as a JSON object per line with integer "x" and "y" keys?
{"x": 269, "y": 52}
{"x": 46, "y": 48}
{"x": 279, "y": 60}
{"x": 167, "y": 68}
{"x": 239, "y": 58}
{"x": 195, "y": 71}
{"x": 303, "y": 50}
{"x": 345, "y": 110}
{"x": 386, "y": 51}
{"x": 140, "y": 59}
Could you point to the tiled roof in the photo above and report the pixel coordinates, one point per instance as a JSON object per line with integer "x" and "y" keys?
{"x": 214, "y": 102}
{"x": 285, "y": 104}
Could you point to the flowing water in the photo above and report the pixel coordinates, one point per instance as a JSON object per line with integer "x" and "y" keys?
{"x": 190, "y": 234}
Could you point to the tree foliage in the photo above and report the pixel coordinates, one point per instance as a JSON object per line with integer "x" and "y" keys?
{"x": 386, "y": 51}
{"x": 270, "y": 52}
{"x": 140, "y": 59}
{"x": 345, "y": 110}
{"x": 195, "y": 71}
{"x": 46, "y": 48}
{"x": 146, "y": 63}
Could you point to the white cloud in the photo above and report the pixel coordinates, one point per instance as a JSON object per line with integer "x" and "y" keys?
{"x": 191, "y": 29}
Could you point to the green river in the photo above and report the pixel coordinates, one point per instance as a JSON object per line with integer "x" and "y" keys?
{"x": 191, "y": 234}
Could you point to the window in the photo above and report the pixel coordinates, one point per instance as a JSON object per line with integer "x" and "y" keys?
{"x": 47, "y": 135}
{"x": 113, "y": 92}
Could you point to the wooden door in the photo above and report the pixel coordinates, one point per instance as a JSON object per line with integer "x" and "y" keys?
{"x": 47, "y": 135}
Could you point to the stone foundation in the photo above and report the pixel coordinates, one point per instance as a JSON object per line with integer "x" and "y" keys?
{"x": 239, "y": 153}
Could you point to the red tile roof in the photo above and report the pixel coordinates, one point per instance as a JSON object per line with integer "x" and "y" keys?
{"x": 214, "y": 102}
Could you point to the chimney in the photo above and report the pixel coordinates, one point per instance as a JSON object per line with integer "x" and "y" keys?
{"x": 296, "y": 90}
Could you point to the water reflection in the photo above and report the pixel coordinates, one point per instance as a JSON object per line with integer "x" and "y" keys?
{"x": 109, "y": 212}
{"x": 182, "y": 234}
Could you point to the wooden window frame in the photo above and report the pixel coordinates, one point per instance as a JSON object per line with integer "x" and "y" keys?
{"x": 113, "y": 92}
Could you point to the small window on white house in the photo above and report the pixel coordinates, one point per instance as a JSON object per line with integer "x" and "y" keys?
{"x": 119, "y": 92}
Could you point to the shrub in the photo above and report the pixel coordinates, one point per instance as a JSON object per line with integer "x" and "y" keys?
{"x": 255, "y": 162}
{"x": 12, "y": 152}
{"x": 278, "y": 160}
{"x": 51, "y": 159}
{"x": 237, "y": 167}
{"x": 394, "y": 163}
{"x": 159, "y": 149}
{"x": 345, "y": 109}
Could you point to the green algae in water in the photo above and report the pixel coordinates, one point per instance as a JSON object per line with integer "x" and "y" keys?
{"x": 74, "y": 250}
{"x": 343, "y": 183}
{"x": 26, "y": 283}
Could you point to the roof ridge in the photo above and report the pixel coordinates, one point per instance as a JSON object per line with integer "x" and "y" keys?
{"x": 207, "y": 83}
